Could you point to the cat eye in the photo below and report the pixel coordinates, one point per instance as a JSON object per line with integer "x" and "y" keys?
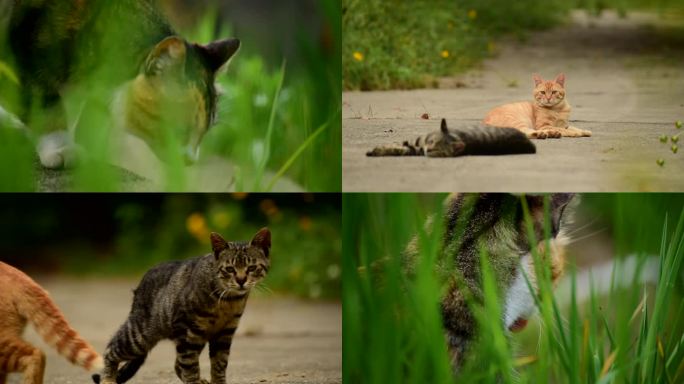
{"x": 554, "y": 92}
{"x": 251, "y": 268}
{"x": 230, "y": 270}
{"x": 543, "y": 92}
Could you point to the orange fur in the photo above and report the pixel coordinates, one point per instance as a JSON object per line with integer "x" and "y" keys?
{"x": 545, "y": 117}
{"x": 22, "y": 300}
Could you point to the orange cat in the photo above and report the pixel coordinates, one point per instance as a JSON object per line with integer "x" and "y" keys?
{"x": 22, "y": 300}
{"x": 545, "y": 117}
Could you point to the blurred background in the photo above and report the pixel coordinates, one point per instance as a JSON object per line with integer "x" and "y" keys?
{"x": 618, "y": 308}
{"x": 413, "y": 44}
{"x": 123, "y": 235}
{"x": 296, "y": 41}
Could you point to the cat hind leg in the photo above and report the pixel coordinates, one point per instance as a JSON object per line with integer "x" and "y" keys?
{"x": 24, "y": 358}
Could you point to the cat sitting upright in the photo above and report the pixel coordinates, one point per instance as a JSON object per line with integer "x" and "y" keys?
{"x": 127, "y": 56}
{"x": 545, "y": 117}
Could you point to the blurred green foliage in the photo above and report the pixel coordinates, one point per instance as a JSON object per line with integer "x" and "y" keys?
{"x": 630, "y": 334}
{"x": 400, "y": 44}
{"x": 273, "y": 119}
{"x": 124, "y": 235}
{"x": 409, "y": 44}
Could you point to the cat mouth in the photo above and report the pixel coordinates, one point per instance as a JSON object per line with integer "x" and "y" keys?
{"x": 518, "y": 325}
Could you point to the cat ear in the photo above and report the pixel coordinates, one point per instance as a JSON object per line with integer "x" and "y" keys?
{"x": 218, "y": 53}
{"x": 537, "y": 80}
{"x": 168, "y": 54}
{"x": 444, "y": 128}
{"x": 218, "y": 244}
{"x": 560, "y": 79}
{"x": 557, "y": 204}
{"x": 262, "y": 240}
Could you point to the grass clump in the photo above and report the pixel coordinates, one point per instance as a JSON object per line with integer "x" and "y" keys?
{"x": 409, "y": 44}
{"x": 630, "y": 332}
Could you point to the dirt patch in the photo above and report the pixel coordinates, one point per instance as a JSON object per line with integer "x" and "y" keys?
{"x": 280, "y": 340}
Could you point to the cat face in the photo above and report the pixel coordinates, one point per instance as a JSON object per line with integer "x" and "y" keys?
{"x": 549, "y": 93}
{"x": 496, "y": 223}
{"x": 443, "y": 143}
{"x": 240, "y": 266}
{"x": 175, "y": 88}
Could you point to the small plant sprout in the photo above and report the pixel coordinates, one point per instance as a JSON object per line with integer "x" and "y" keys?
{"x": 660, "y": 162}
{"x": 678, "y": 124}
{"x": 674, "y": 148}
{"x": 675, "y": 139}
{"x": 663, "y": 139}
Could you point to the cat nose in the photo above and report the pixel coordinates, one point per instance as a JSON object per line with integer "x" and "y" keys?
{"x": 241, "y": 280}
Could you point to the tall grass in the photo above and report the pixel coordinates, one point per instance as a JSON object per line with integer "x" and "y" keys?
{"x": 275, "y": 123}
{"x": 393, "y": 333}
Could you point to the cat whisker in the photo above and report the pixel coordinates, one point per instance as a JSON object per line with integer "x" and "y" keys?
{"x": 574, "y": 240}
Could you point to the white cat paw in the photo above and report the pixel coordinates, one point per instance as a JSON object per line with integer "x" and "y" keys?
{"x": 57, "y": 150}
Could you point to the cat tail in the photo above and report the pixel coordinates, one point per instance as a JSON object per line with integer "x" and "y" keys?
{"x": 52, "y": 326}
{"x": 126, "y": 372}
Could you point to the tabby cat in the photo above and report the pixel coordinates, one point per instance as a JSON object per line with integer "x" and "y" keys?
{"x": 123, "y": 49}
{"x": 22, "y": 300}
{"x": 475, "y": 140}
{"x": 495, "y": 222}
{"x": 191, "y": 302}
{"x": 545, "y": 117}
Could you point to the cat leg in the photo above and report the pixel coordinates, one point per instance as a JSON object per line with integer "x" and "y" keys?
{"x": 404, "y": 149}
{"x": 219, "y": 351}
{"x": 55, "y": 146}
{"x": 25, "y": 358}
{"x": 128, "y": 346}
{"x": 575, "y": 132}
{"x": 187, "y": 368}
{"x": 549, "y": 132}
{"x": 3, "y": 378}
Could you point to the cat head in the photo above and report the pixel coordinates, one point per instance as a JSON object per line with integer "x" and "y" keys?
{"x": 496, "y": 224}
{"x": 548, "y": 93}
{"x": 240, "y": 265}
{"x": 443, "y": 143}
{"x": 175, "y": 87}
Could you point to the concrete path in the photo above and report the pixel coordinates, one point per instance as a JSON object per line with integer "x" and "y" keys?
{"x": 625, "y": 81}
{"x": 280, "y": 340}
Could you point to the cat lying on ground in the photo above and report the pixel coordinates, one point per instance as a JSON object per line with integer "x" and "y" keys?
{"x": 475, "y": 140}
{"x": 545, "y": 117}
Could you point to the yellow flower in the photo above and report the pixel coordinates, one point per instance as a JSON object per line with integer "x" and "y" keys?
{"x": 358, "y": 56}
{"x": 240, "y": 195}
{"x": 472, "y": 14}
{"x": 445, "y": 54}
{"x": 222, "y": 219}
{"x": 197, "y": 226}
{"x": 268, "y": 207}
{"x": 305, "y": 223}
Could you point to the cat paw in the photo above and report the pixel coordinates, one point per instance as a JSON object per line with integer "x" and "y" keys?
{"x": 57, "y": 150}
{"x": 586, "y": 133}
{"x": 553, "y": 134}
{"x": 540, "y": 135}
{"x": 374, "y": 152}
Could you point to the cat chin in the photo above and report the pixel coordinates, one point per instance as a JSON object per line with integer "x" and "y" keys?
{"x": 519, "y": 301}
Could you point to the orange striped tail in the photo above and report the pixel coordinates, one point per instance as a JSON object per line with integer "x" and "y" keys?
{"x": 52, "y": 326}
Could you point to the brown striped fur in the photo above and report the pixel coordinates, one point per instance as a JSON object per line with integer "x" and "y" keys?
{"x": 545, "y": 117}
{"x": 22, "y": 300}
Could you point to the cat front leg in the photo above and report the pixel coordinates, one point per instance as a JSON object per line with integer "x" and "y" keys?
{"x": 404, "y": 149}
{"x": 187, "y": 361}
{"x": 219, "y": 351}
{"x": 571, "y": 131}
